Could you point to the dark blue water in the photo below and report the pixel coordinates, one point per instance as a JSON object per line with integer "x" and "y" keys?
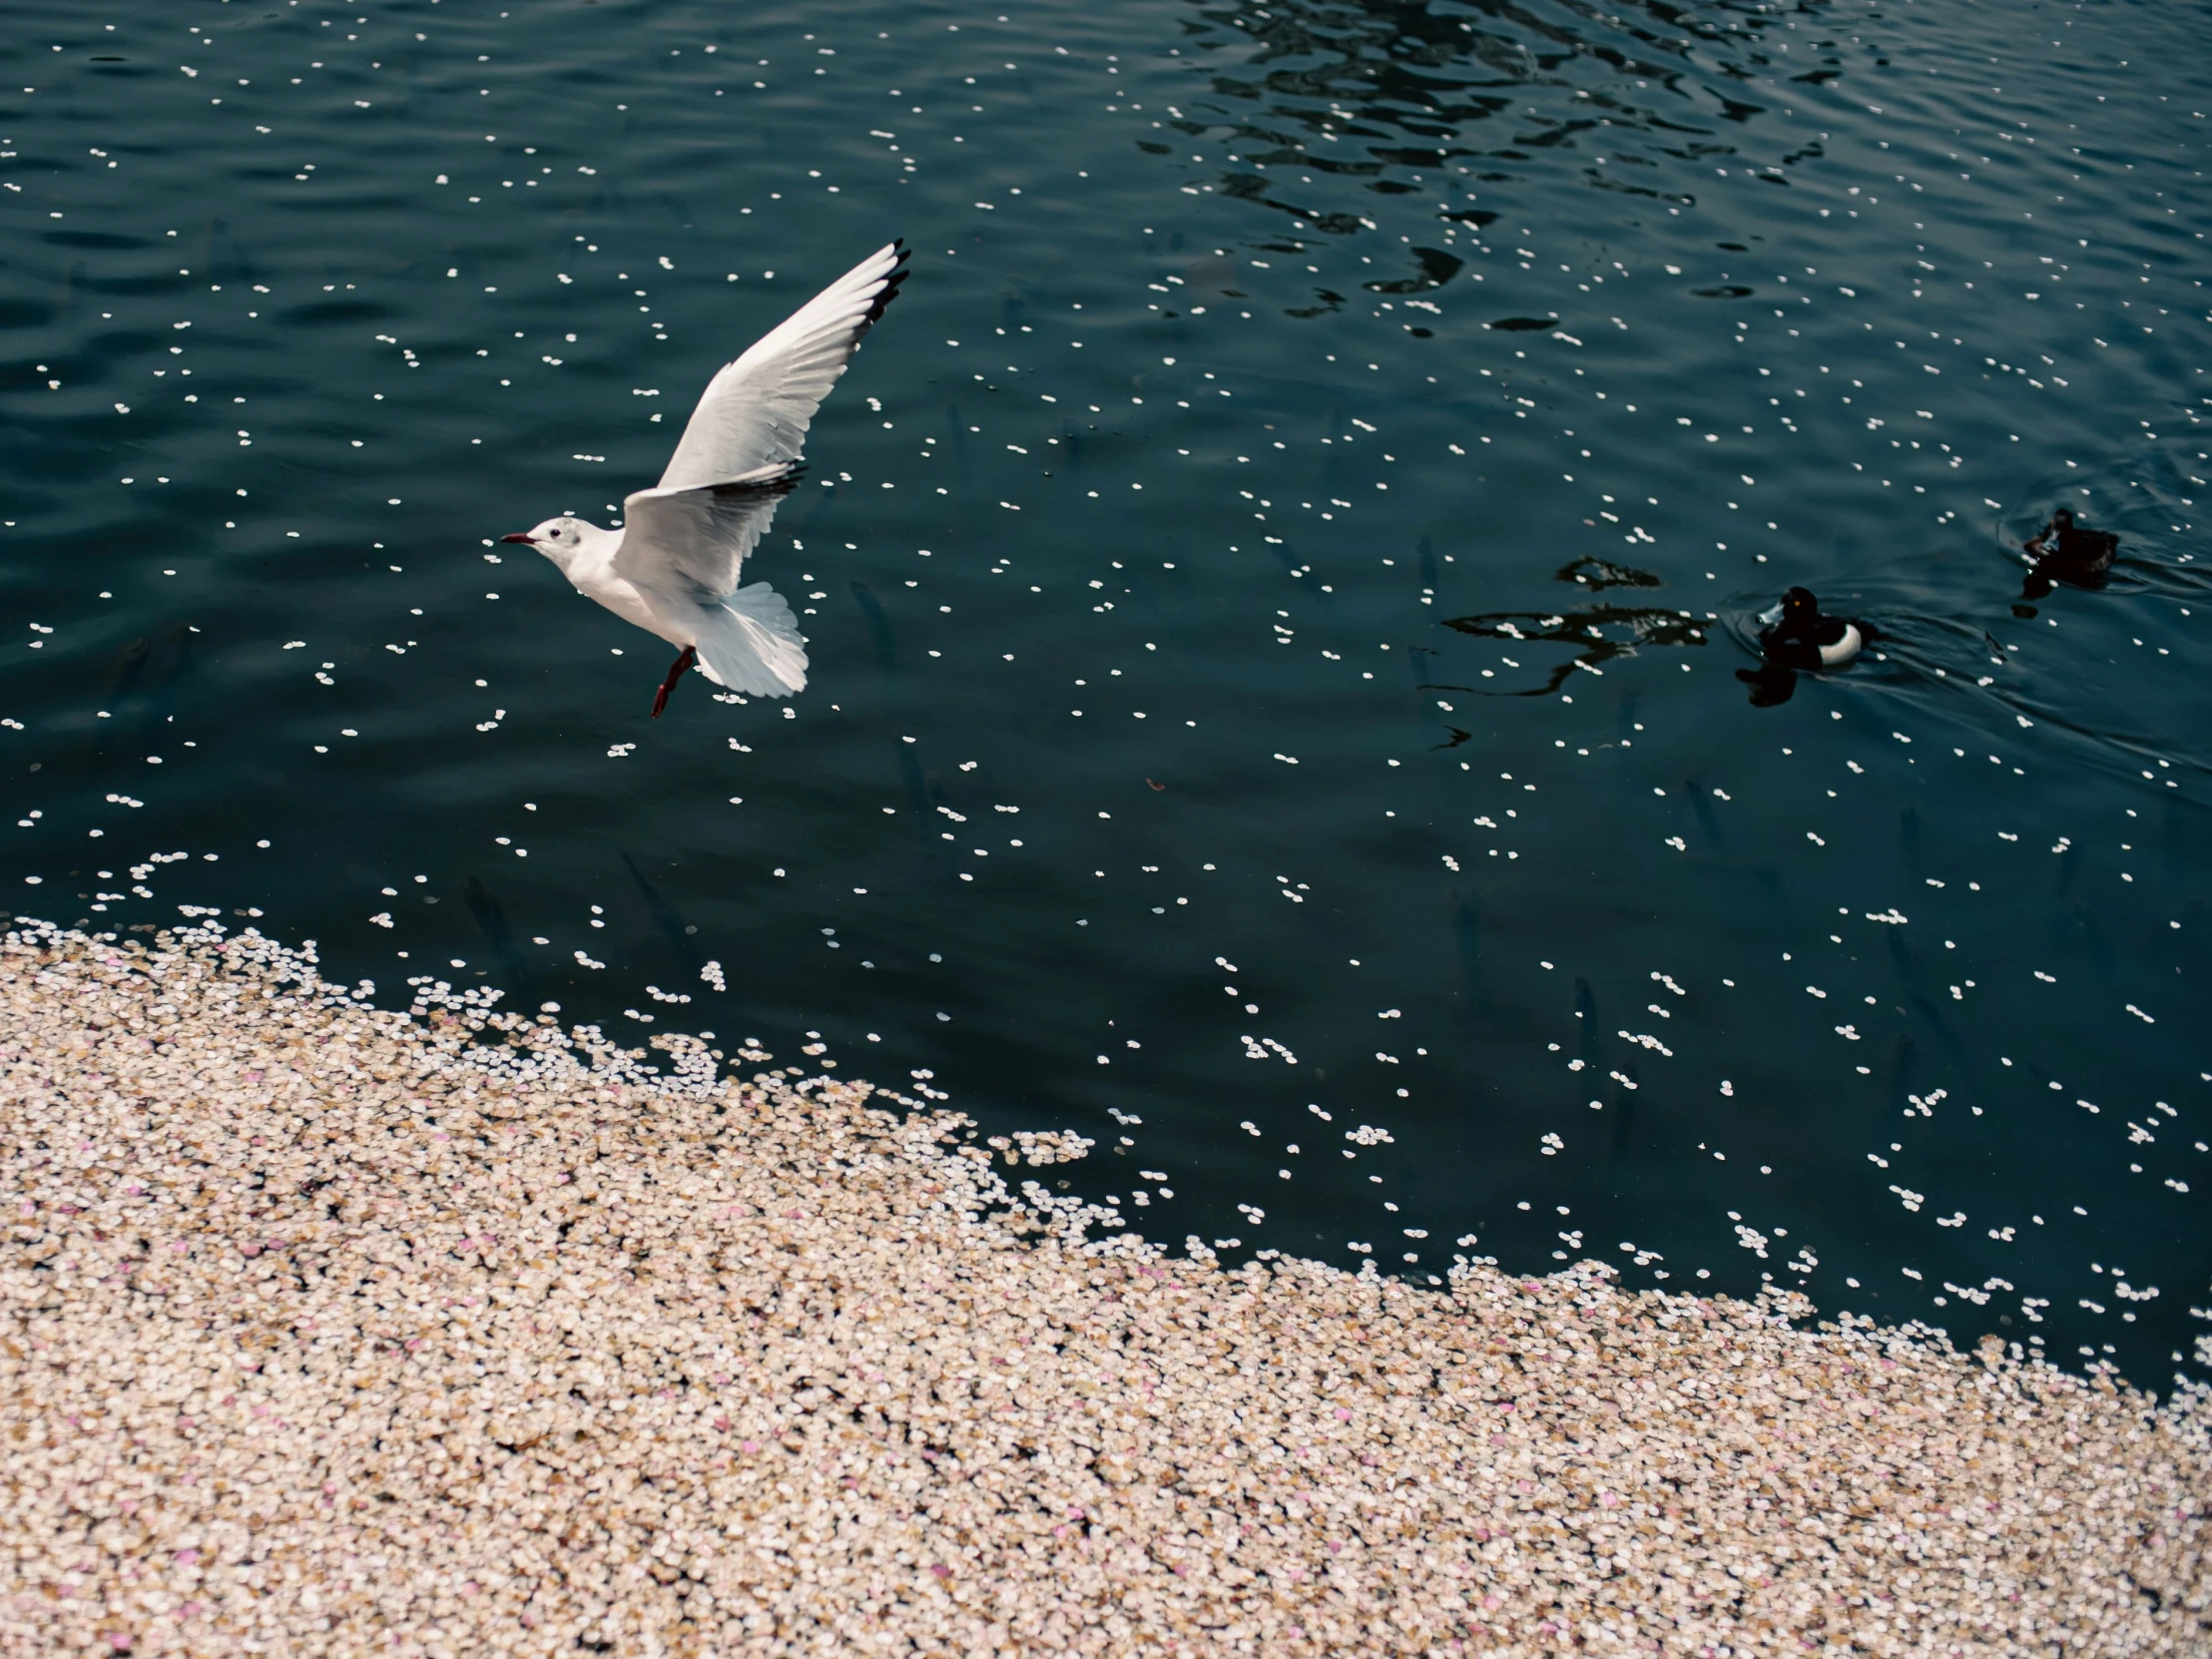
{"x": 1277, "y": 583}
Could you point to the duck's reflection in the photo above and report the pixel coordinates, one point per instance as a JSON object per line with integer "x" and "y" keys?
{"x": 1772, "y": 683}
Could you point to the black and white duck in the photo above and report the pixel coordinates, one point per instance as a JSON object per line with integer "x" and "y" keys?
{"x": 1801, "y": 635}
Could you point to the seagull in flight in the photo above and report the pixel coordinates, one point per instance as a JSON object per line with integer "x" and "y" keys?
{"x": 673, "y": 567}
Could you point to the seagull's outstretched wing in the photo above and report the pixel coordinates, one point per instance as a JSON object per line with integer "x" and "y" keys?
{"x": 689, "y": 544}
{"x": 757, "y": 409}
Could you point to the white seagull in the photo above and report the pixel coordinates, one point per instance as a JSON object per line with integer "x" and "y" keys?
{"x": 673, "y": 567}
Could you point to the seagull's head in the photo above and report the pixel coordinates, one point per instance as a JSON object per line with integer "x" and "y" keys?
{"x": 559, "y": 539}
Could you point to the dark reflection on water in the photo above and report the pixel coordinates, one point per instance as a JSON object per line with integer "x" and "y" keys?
{"x": 1599, "y": 633}
{"x": 1276, "y": 583}
{"x": 1403, "y": 91}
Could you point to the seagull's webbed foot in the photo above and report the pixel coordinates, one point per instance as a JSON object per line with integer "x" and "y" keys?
{"x": 660, "y": 700}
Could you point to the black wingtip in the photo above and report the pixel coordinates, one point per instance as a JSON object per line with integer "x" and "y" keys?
{"x": 889, "y": 291}
{"x": 763, "y": 483}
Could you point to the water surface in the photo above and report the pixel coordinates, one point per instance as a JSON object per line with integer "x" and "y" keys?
{"x": 1278, "y": 583}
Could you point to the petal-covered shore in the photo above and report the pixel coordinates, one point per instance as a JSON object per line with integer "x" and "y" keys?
{"x": 331, "y": 1330}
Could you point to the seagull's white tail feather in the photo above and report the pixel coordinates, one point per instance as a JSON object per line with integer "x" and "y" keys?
{"x": 750, "y": 643}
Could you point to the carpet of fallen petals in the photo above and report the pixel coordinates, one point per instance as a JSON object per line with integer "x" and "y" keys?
{"x": 331, "y": 1330}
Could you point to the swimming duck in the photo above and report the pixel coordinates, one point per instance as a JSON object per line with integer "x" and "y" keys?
{"x": 1802, "y": 636}
{"x": 2066, "y": 552}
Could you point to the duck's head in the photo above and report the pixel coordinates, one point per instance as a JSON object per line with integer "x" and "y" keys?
{"x": 1799, "y": 605}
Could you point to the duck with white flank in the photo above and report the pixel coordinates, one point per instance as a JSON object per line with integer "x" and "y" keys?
{"x": 673, "y": 567}
{"x": 1803, "y": 636}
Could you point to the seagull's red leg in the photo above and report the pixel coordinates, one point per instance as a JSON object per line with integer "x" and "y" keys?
{"x": 674, "y": 674}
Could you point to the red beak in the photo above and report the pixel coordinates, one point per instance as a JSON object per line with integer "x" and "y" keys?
{"x": 519, "y": 535}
